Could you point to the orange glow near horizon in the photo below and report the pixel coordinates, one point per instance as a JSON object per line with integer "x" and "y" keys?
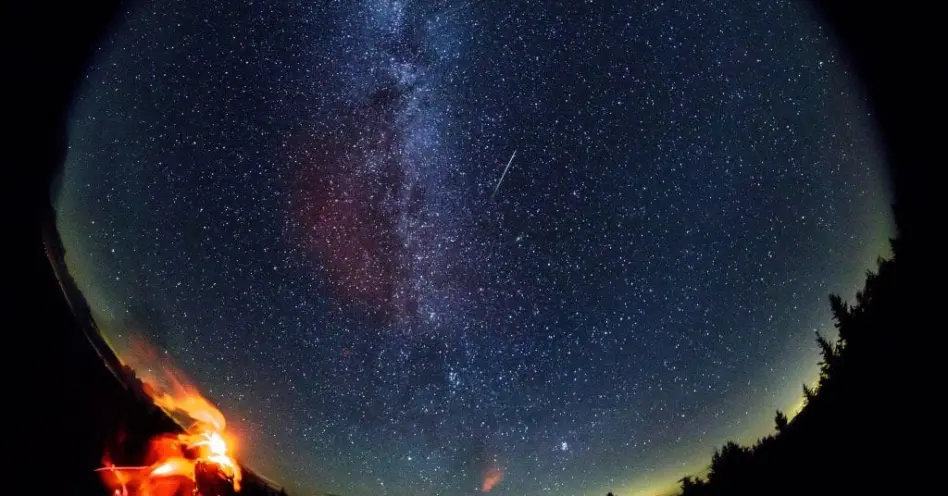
{"x": 493, "y": 476}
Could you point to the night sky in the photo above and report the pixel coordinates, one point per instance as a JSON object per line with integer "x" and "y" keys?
{"x": 302, "y": 207}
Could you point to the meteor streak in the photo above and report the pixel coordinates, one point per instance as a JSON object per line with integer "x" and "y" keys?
{"x": 503, "y": 175}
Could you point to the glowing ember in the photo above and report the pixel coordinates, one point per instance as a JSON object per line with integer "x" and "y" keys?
{"x": 173, "y": 460}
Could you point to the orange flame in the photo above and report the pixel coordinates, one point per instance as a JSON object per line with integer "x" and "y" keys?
{"x": 174, "y": 460}
{"x": 492, "y": 477}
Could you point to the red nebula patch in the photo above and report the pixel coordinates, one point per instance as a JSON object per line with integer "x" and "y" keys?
{"x": 344, "y": 214}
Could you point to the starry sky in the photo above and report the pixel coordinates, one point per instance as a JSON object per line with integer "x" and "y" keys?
{"x": 423, "y": 248}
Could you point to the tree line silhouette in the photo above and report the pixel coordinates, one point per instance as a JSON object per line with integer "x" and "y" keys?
{"x": 856, "y": 431}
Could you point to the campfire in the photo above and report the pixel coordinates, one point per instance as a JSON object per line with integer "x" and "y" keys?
{"x": 191, "y": 462}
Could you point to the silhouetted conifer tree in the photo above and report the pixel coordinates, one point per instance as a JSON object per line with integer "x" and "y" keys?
{"x": 690, "y": 484}
{"x": 841, "y": 316}
{"x": 728, "y": 462}
{"x": 830, "y": 356}
{"x": 781, "y": 421}
{"x": 808, "y": 393}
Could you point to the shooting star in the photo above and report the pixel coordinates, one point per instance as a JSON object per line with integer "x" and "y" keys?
{"x": 503, "y": 175}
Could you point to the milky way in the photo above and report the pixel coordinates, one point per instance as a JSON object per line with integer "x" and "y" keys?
{"x": 302, "y": 206}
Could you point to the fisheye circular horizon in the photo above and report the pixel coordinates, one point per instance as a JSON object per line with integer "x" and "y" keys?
{"x": 463, "y": 247}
